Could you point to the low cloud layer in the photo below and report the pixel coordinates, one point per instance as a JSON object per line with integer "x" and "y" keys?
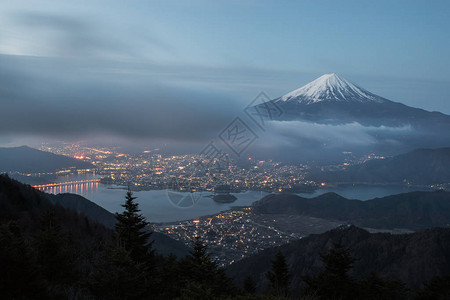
{"x": 41, "y": 102}
{"x": 333, "y": 136}
{"x": 303, "y": 141}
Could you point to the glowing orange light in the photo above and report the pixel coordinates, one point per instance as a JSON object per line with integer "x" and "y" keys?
{"x": 64, "y": 183}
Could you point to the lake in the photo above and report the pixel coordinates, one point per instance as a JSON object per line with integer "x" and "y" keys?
{"x": 168, "y": 206}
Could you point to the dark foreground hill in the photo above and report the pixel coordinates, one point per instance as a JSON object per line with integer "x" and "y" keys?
{"x": 414, "y": 211}
{"x": 22, "y": 202}
{"x": 422, "y": 167}
{"x": 26, "y": 205}
{"x": 51, "y": 252}
{"x": 412, "y": 258}
{"x": 162, "y": 243}
{"x": 28, "y": 160}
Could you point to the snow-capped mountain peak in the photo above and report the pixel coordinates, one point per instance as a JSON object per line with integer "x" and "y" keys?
{"x": 330, "y": 88}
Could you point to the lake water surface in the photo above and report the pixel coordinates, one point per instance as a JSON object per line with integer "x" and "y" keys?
{"x": 167, "y": 206}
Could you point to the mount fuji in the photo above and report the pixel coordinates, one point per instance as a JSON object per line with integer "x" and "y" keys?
{"x": 329, "y": 88}
{"x": 331, "y": 99}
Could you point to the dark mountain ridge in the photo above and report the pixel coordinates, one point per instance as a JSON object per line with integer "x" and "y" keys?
{"x": 82, "y": 205}
{"x": 414, "y": 211}
{"x": 26, "y": 203}
{"x": 28, "y": 160}
{"x": 26, "y": 206}
{"x": 413, "y": 258}
{"x": 390, "y": 114}
{"x": 421, "y": 166}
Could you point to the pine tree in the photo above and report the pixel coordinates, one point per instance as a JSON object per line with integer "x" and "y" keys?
{"x": 131, "y": 230}
{"x": 126, "y": 270}
{"x": 201, "y": 268}
{"x": 199, "y": 252}
{"x": 118, "y": 277}
{"x": 338, "y": 261}
{"x": 279, "y": 276}
{"x": 200, "y": 271}
{"x": 334, "y": 282}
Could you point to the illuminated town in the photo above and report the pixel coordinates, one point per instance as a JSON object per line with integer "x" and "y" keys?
{"x": 239, "y": 232}
{"x": 151, "y": 170}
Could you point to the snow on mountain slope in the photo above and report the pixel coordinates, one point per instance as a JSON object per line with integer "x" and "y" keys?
{"x": 330, "y": 88}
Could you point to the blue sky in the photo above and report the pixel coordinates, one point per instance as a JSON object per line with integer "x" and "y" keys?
{"x": 230, "y": 49}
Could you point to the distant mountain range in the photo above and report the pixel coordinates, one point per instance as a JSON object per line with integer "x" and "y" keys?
{"x": 421, "y": 167}
{"x": 414, "y": 211}
{"x": 412, "y": 258}
{"x": 331, "y": 99}
{"x": 29, "y": 160}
